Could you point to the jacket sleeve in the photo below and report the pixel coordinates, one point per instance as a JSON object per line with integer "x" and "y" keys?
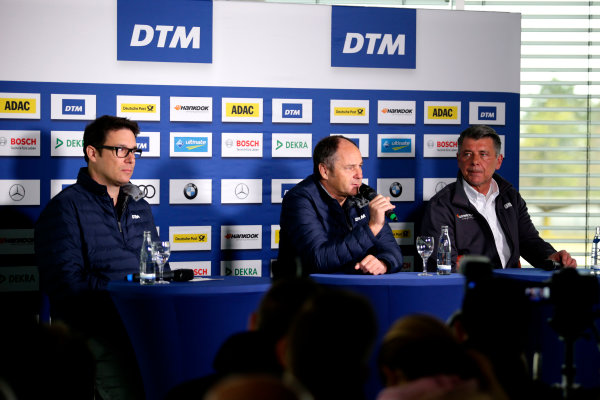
{"x": 322, "y": 251}
{"x": 59, "y": 251}
{"x": 533, "y": 248}
{"x": 387, "y": 249}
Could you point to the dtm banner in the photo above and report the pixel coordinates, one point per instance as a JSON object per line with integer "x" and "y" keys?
{"x": 231, "y": 98}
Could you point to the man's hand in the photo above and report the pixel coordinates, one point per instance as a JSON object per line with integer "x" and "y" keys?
{"x": 564, "y": 258}
{"x": 377, "y": 208}
{"x": 372, "y": 265}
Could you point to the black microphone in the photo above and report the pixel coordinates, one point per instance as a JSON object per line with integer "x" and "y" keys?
{"x": 369, "y": 193}
{"x": 176, "y": 275}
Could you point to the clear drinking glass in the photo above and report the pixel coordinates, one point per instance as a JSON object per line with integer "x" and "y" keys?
{"x": 160, "y": 254}
{"x": 424, "y": 246}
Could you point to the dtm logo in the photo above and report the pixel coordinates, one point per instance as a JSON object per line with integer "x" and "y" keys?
{"x": 285, "y": 187}
{"x": 375, "y": 38}
{"x": 153, "y": 30}
{"x": 291, "y": 110}
{"x": 73, "y": 107}
{"x": 487, "y": 113}
{"x": 143, "y": 143}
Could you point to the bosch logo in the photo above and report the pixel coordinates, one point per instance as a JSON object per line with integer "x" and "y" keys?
{"x": 16, "y": 192}
{"x": 148, "y": 190}
{"x": 190, "y": 191}
{"x": 229, "y": 143}
{"x": 395, "y": 189}
{"x": 242, "y": 191}
{"x": 247, "y": 143}
{"x": 447, "y": 143}
{"x": 430, "y": 144}
{"x": 23, "y": 141}
{"x": 2, "y": 141}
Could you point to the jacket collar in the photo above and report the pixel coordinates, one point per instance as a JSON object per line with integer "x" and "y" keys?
{"x": 460, "y": 198}
{"x": 85, "y": 180}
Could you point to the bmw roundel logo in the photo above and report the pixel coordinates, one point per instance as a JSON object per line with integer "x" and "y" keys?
{"x": 190, "y": 191}
{"x": 395, "y": 189}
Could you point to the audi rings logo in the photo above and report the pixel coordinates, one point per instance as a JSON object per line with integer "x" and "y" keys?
{"x": 148, "y": 190}
{"x": 439, "y": 186}
{"x": 16, "y": 192}
{"x": 190, "y": 191}
{"x": 396, "y": 189}
{"x": 242, "y": 191}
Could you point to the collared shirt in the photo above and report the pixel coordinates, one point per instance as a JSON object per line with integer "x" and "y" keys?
{"x": 486, "y": 206}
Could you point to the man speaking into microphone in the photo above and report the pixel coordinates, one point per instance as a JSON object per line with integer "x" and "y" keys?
{"x": 327, "y": 226}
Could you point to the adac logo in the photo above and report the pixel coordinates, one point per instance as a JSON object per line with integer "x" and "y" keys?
{"x": 349, "y": 111}
{"x": 18, "y": 105}
{"x": 442, "y": 112}
{"x": 243, "y": 110}
{"x": 396, "y": 145}
{"x": 191, "y": 144}
{"x": 73, "y": 107}
{"x": 291, "y": 110}
{"x": 190, "y": 238}
{"x": 139, "y": 108}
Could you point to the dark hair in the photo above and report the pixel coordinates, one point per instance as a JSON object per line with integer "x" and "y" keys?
{"x": 477, "y": 132}
{"x": 325, "y": 151}
{"x": 95, "y": 133}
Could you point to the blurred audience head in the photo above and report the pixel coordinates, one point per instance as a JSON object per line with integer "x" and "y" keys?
{"x": 250, "y": 387}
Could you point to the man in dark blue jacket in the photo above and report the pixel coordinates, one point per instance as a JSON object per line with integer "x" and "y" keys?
{"x": 325, "y": 227}
{"x": 89, "y": 234}
{"x": 484, "y": 213}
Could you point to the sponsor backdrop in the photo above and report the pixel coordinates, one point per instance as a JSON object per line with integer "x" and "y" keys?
{"x": 227, "y": 129}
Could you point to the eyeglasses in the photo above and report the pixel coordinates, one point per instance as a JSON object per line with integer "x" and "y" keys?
{"x": 123, "y": 152}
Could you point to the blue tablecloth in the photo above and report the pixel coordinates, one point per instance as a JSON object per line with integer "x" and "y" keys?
{"x": 177, "y": 329}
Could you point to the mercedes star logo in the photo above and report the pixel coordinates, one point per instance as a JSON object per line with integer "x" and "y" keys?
{"x": 242, "y": 191}
{"x": 16, "y": 192}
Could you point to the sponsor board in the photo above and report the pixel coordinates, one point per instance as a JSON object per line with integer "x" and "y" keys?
{"x": 396, "y": 112}
{"x": 190, "y": 191}
{"x": 431, "y": 186}
{"x": 373, "y": 37}
{"x": 292, "y": 111}
{"x": 392, "y": 145}
{"x": 349, "y": 111}
{"x": 241, "y": 237}
{"x": 397, "y": 189}
{"x": 242, "y": 145}
{"x": 139, "y": 108}
{"x": 241, "y": 109}
{"x": 24, "y": 192}
{"x": 441, "y": 112}
{"x": 279, "y": 187}
{"x": 175, "y": 31}
{"x": 241, "y": 191}
{"x": 291, "y": 145}
{"x": 404, "y": 232}
{"x": 57, "y": 185}
{"x": 73, "y": 106}
{"x": 66, "y": 144}
{"x": 149, "y": 143}
{"x": 487, "y": 113}
{"x": 275, "y": 236}
{"x": 20, "y": 105}
{"x": 408, "y": 264}
{"x": 19, "y": 279}
{"x": 20, "y": 143}
{"x": 190, "y": 144}
{"x": 241, "y": 268}
{"x": 200, "y": 268}
{"x": 16, "y": 241}
{"x": 191, "y": 109}
{"x": 440, "y": 145}
{"x": 361, "y": 140}
{"x": 190, "y": 238}
{"x": 150, "y": 189}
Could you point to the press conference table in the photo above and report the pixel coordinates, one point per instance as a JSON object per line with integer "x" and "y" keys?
{"x": 176, "y": 329}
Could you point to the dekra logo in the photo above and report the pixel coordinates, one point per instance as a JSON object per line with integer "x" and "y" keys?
{"x": 143, "y": 35}
{"x": 73, "y": 107}
{"x": 70, "y": 143}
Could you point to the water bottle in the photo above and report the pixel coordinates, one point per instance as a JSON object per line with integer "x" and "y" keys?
{"x": 147, "y": 272}
{"x": 595, "y": 256}
{"x": 444, "y": 254}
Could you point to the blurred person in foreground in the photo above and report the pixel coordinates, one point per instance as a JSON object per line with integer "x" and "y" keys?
{"x": 484, "y": 213}
{"x": 327, "y": 227}
{"x": 89, "y": 234}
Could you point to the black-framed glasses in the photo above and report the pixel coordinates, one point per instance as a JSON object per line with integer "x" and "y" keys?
{"x": 123, "y": 152}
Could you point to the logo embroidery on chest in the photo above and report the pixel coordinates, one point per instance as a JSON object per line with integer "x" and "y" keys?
{"x": 135, "y": 216}
{"x": 464, "y": 217}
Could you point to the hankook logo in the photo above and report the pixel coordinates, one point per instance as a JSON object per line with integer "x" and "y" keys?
{"x": 148, "y": 190}
{"x": 16, "y": 192}
{"x": 242, "y": 191}
{"x": 396, "y": 189}
{"x": 190, "y": 191}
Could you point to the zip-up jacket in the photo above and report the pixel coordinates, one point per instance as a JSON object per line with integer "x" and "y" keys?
{"x": 326, "y": 237}
{"x": 471, "y": 234}
{"x": 82, "y": 241}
